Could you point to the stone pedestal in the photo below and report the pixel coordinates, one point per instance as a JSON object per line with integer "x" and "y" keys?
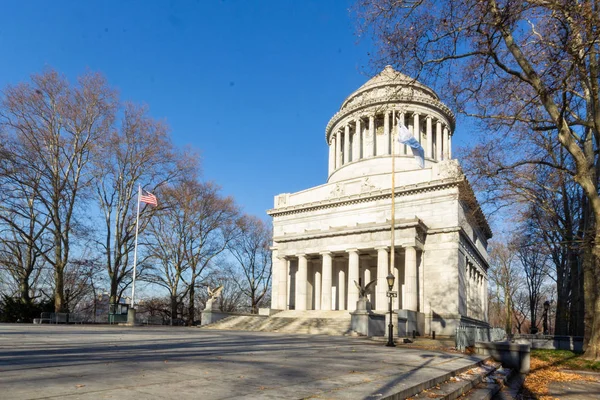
{"x": 409, "y": 321}
{"x": 367, "y": 323}
{"x": 209, "y": 316}
{"x": 131, "y": 317}
{"x": 363, "y": 305}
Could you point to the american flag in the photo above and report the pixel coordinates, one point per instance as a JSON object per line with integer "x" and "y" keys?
{"x": 148, "y": 198}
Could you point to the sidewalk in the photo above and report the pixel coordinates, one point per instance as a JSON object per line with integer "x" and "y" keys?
{"x": 85, "y": 362}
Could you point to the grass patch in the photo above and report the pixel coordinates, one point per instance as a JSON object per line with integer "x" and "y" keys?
{"x": 552, "y": 366}
{"x": 565, "y": 359}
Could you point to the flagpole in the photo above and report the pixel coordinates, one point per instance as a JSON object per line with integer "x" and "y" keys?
{"x": 137, "y": 220}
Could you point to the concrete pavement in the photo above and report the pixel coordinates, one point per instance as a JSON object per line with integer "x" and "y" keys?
{"x": 104, "y": 362}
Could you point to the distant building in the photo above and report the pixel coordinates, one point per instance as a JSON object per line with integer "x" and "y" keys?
{"x": 329, "y": 236}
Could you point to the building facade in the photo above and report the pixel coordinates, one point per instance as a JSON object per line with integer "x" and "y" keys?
{"x": 328, "y": 237}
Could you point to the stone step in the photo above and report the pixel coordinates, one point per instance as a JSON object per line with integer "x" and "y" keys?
{"x": 480, "y": 382}
{"x": 306, "y": 325}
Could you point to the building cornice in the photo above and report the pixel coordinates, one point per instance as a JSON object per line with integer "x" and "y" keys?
{"x": 365, "y": 197}
{"x": 416, "y": 223}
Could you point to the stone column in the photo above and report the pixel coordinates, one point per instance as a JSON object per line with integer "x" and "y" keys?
{"x": 429, "y": 138}
{"x": 317, "y": 290}
{"x": 445, "y": 141}
{"x": 449, "y": 145}
{"x": 331, "y": 157}
{"x": 417, "y": 128}
{"x": 485, "y": 300}
{"x": 355, "y": 144}
{"x": 401, "y": 148}
{"x": 301, "y": 282}
{"x": 338, "y": 149}
{"x": 410, "y": 278}
{"x": 438, "y": 140}
{"x": 346, "y": 144}
{"x": 382, "y": 272}
{"x": 361, "y": 139}
{"x": 342, "y": 289}
{"x": 283, "y": 283}
{"x": 367, "y": 279}
{"x": 274, "y": 282}
{"x": 396, "y": 272}
{"x": 352, "y": 276}
{"x": 370, "y": 140}
{"x": 386, "y": 133}
{"x": 326, "y": 281}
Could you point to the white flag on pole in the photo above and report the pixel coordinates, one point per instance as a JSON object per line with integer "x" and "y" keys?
{"x": 407, "y": 138}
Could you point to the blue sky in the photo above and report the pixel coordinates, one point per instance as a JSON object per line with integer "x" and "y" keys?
{"x": 250, "y": 84}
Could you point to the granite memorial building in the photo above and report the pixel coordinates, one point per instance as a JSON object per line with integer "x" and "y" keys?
{"x": 328, "y": 236}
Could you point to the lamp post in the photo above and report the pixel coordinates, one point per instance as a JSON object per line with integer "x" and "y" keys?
{"x": 546, "y": 308}
{"x": 391, "y": 294}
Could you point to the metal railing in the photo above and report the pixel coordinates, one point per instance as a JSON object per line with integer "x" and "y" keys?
{"x": 466, "y": 336}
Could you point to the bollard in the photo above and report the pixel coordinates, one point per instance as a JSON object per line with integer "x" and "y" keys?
{"x": 414, "y": 334}
{"x": 433, "y": 335}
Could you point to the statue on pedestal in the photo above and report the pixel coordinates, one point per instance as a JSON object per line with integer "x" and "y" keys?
{"x": 363, "y": 303}
{"x": 212, "y": 296}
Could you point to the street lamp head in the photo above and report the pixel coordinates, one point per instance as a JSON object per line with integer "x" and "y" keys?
{"x": 390, "y": 281}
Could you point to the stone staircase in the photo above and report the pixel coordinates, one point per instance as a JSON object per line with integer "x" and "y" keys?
{"x": 482, "y": 382}
{"x": 336, "y": 323}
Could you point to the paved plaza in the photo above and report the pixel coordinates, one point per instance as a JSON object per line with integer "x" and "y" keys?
{"x": 104, "y": 362}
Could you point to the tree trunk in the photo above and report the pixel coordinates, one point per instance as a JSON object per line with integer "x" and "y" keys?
{"x": 59, "y": 289}
{"x": 173, "y": 308}
{"x": 191, "y": 305}
{"x": 24, "y": 291}
{"x": 591, "y": 269}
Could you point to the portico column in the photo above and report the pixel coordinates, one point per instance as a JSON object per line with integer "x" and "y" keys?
{"x": 346, "y": 144}
{"x": 449, "y": 145}
{"x": 352, "y": 276}
{"x": 317, "y": 290}
{"x": 429, "y": 138}
{"x": 410, "y": 278}
{"x": 283, "y": 277}
{"x": 342, "y": 289}
{"x": 438, "y": 140}
{"x": 382, "y": 272}
{"x": 416, "y": 128}
{"x": 445, "y": 140}
{"x": 386, "y": 133}
{"x": 275, "y": 282}
{"x": 301, "y": 281}
{"x": 326, "y": 281}
{"x": 338, "y": 149}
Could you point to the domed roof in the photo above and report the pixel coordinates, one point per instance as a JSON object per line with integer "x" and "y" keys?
{"x": 389, "y": 77}
{"x": 389, "y": 88}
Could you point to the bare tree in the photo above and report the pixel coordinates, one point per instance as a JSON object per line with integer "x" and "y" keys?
{"x": 535, "y": 267}
{"x": 54, "y": 126}
{"x": 517, "y": 66}
{"x": 186, "y": 237}
{"x": 251, "y": 251}
{"x": 140, "y": 152}
{"x": 504, "y": 276}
